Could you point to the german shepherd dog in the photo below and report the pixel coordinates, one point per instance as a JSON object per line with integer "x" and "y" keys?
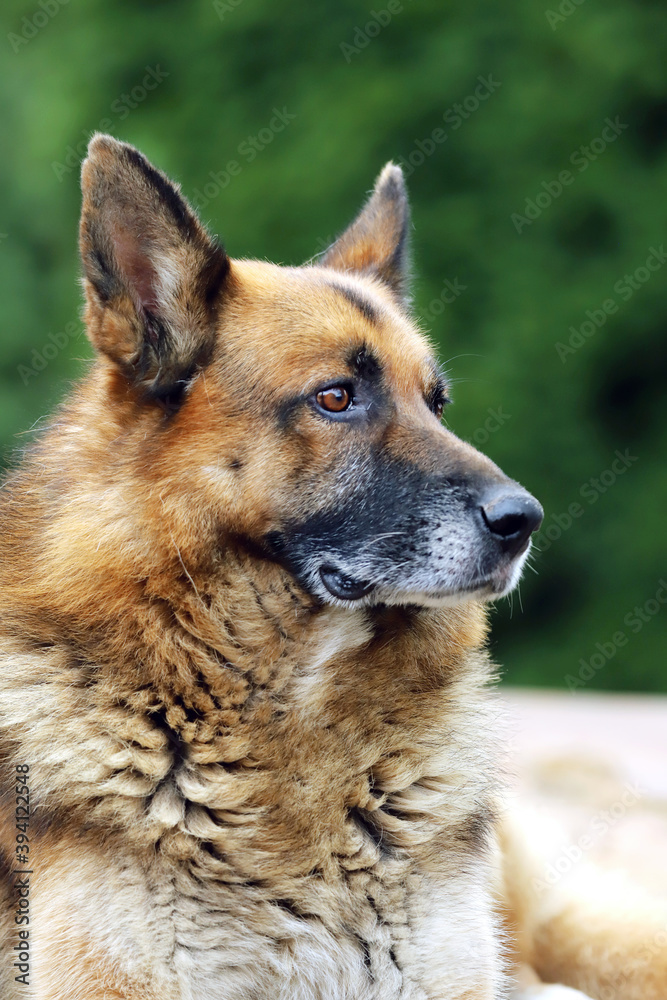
{"x": 248, "y": 750}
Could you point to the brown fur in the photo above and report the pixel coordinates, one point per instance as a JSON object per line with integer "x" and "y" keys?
{"x": 238, "y": 791}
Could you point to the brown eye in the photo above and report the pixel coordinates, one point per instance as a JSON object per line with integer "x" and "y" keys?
{"x": 335, "y": 400}
{"x": 438, "y": 400}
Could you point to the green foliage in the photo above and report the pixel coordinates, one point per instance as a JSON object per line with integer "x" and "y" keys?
{"x": 365, "y": 87}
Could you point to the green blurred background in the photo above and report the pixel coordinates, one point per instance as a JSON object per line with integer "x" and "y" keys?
{"x": 510, "y": 261}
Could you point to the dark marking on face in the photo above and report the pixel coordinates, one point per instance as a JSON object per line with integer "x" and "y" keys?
{"x": 359, "y": 301}
{"x": 365, "y": 387}
{"x": 288, "y": 410}
{"x": 365, "y": 364}
{"x": 396, "y": 526}
{"x": 236, "y": 465}
{"x": 389, "y": 498}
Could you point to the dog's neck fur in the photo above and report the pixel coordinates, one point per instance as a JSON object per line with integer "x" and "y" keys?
{"x": 210, "y": 717}
{"x": 210, "y": 697}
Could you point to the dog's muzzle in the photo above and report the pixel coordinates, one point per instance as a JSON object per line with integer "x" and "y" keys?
{"x": 403, "y": 537}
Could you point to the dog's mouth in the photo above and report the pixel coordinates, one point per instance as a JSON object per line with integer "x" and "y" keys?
{"x": 342, "y": 586}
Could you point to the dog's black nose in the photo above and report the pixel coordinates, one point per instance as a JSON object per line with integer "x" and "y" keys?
{"x": 512, "y": 518}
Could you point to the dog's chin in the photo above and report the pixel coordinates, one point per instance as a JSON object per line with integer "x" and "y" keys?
{"x": 484, "y": 592}
{"x": 341, "y": 587}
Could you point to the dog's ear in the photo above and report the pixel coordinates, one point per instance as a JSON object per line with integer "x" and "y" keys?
{"x": 376, "y": 242}
{"x": 152, "y": 274}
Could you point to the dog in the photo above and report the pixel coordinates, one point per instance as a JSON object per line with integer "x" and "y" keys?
{"x": 248, "y": 744}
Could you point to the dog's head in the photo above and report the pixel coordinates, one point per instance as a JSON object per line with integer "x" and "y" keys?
{"x": 293, "y": 411}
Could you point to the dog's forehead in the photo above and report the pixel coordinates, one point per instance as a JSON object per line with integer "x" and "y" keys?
{"x": 311, "y": 319}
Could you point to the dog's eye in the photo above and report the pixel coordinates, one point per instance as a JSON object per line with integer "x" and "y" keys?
{"x": 438, "y": 399}
{"x": 334, "y": 399}
{"x": 437, "y": 405}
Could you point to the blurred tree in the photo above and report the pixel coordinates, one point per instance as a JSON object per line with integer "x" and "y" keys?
{"x": 535, "y": 140}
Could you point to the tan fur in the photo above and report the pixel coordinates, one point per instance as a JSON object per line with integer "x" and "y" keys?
{"x": 238, "y": 792}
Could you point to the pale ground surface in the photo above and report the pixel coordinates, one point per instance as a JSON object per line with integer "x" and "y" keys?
{"x": 598, "y": 764}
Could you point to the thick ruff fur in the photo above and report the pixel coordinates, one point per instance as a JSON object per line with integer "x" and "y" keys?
{"x": 253, "y": 716}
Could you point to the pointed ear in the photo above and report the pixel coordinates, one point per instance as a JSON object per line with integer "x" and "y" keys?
{"x": 152, "y": 274}
{"x": 376, "y": 242}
